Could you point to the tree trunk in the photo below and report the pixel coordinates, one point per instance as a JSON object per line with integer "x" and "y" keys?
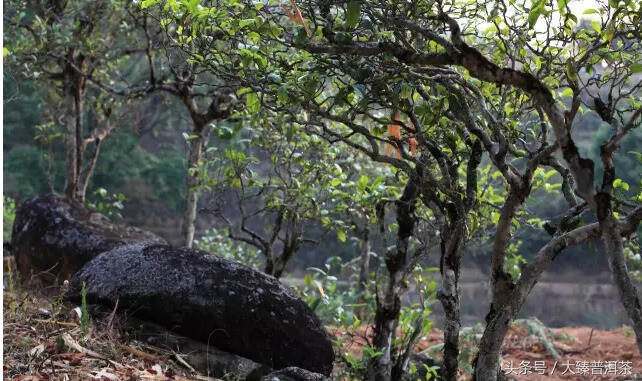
{"x": 71, "y": 173}
{"x": 364, "y": 268}
{"x": 290, "y": 248}
{"x": 269, "y": 266}
{"x": 500, "y": 314}
{"x": 279, "y": 269}
{"x": 364, "y": 271}
{"x": 611, "y": 236}
{"x": 628, "y": 293}
{"x": 79, "y": 109}
{"x": 388, "y": 307}
{"x": 85, "y": 175}
{"x": 450, "y": 299}
{"x": 197, "y": 147}
{"x": 74, "y": 92}
{"x": 497, "y": 324}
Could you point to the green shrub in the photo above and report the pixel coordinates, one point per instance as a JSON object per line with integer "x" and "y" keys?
{"x": 218, "y": 242}
{"x": 107, "y": 204}
{"x": 8, "y": 216}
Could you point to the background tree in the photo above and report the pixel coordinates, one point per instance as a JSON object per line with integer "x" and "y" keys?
{"x": 176, "y": 65}
{"x": 278, "y": 185}
{"x": 63, "y": 43}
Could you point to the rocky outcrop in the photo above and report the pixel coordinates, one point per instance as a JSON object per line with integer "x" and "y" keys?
{"x": 53, "y": 237}
{"x": 219, "y": 302}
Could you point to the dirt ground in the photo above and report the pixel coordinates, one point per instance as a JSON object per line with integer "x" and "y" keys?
{"x": 592, "y": 355}
{"x": 43, "y": 339}
{"x": 39, "y": 346}
{"x": 584, "y": 353}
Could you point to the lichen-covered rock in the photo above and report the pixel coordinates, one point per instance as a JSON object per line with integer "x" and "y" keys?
{"x": 56, "y": 237}
{"x": 219, "y": 302}
{"x": 294, "y": 374}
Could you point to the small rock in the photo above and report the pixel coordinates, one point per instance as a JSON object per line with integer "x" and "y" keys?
{"x": 294, "y": 374}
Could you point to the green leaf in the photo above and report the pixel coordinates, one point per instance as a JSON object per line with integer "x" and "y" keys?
{"x": 567, "y": 93}
{"x": 363, "y": 181}
{"x": 590, "y": 11}
{"x": 282, "y": 94}
{"x": 274, "y": 78}
{"x": 636, "y": 68}
{"x": 637, "y": 154}
{"x": 301, "y": 36}
{"x": 147, "y": 3}
{"x": 353, "y": 14}
{"x": 609, "y": 32}
{"x": 243, "y": 90}
{"x": 224, "y": 132}
{"x": 252, "y": 102}
{"x": 246, "y": 22}
{"x": 535, "y": 12}
{"x": 619, "y": 183}
{"x": 192, "y": 5}
{"x": 571, "y": 73}
{"x": 341, "y": 235}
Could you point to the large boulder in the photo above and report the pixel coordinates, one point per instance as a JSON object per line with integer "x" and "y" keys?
{"x": 54, "y": 237}
{"x": 219, "y": 302}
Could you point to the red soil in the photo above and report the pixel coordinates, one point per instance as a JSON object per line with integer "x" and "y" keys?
{"x": 609, "y": 355}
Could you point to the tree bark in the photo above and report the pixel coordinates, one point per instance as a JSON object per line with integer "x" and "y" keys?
{"x": 388, "y": 307}
{"x": 291, "y": 246}
{"x": 364, "y": 267}
{"x": 85, "y": 174}
{"x": 626, "y": 288}
{"x": 453, "y": 234}
{"x": 450, "y": 300}
{"x": 74, "y": 92}
{"x": 364, "y": 271}
{"x": 500, "y": 314}
{"x": 611, "y": 235}
{"x": 197, "y": 147}
{"x": 79, "y": 109}
{"x": 71, "y": 174}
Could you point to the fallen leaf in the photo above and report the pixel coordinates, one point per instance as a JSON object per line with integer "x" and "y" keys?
{"x": 104, "y": 374}
{"x": 37, "y": 350}
{"x": 158, "y": 368}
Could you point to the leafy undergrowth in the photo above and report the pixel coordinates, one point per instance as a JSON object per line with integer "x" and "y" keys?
{"x": 45, "y": 339}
